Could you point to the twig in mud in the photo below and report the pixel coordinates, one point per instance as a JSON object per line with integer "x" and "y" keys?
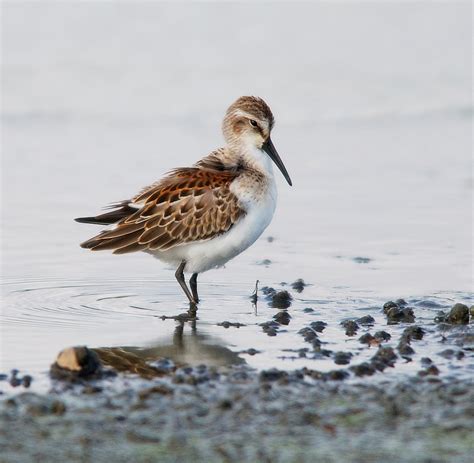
{"x": 254, "y": 296}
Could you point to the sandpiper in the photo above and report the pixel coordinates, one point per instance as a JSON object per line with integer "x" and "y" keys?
{"x": 198, "y": 218}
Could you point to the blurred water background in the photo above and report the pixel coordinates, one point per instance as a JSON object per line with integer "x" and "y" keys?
{"x": 373, "y": 105}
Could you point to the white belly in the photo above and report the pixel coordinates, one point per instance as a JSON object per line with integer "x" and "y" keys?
{"x": 205, "y": 255}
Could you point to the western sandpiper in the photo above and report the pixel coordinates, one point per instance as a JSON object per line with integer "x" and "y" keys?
{"x": 198, "y": 218}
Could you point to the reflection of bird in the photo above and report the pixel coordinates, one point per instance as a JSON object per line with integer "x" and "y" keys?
{"x": 200, "y": 217}
{"x": 192, "y": 349}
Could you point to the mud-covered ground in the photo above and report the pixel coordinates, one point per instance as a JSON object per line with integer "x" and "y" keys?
{"x": 112, "y": 404}
{"x": 242, "y": 416}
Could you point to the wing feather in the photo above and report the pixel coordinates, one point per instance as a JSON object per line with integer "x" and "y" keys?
{"x": 191, "y": 204}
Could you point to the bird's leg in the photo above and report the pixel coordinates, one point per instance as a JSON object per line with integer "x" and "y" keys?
{"x": 194, "y": 286}
{"x": 180, "y": 277}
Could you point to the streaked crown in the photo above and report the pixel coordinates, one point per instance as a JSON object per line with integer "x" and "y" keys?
{"x": 248, "y": 120}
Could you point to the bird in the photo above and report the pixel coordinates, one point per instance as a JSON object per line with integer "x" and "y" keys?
{"x": 198, "y": 218}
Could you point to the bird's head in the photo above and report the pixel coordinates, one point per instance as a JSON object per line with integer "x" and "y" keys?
{"x": 248, "y": 124}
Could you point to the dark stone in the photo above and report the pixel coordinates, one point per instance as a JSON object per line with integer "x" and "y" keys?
{"x": 308, "y": 310}
{"x": 363, "y": 369}
{"x": 413, "y": 332}
{"x": 389, "y": 305}
{"x": 458, "y": 315}
{"x": 270, "y": 328}
{"x": 268, "y": 291}
{"x": 367, "y": 320}
{"x": 3, "y": 377}
{"x": 298, "y": 285}
{"x": 282, "y": 317}
{"x": 429, "y": 371}
{"x": 451, "y": 353}
{"x": 336, "y": 375}
{"x": 342, "y": 358}
{"x": 272, "y": 375}
{"x": 281, "y": 300}
{"x": 227, "y": 324}
{"x": 75, "y": 362}
{"x": 318, "y": 326}
{"x": 384, "y": 357}
{"x": 308, "y": 334}
{"x": 351, "y": 327}
{"x": 404, "y": 348}
{"x": 401, "y": 302}
{"x": 426, "y": 361}
{"x": 382, "y": 336}
{"x": 400, "y": 315}
{"x": 26, "y": 380}
{"x": 252, "y": 351}
{"x": 361, "y": 260}
{"x": 366, "y": 338}
{"x": 15, "y": 381}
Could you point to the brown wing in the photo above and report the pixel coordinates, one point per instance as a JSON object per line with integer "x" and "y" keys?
{"x": 190, "y": 204}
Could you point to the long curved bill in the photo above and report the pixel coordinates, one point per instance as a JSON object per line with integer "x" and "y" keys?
{"x": 272, "y": 152}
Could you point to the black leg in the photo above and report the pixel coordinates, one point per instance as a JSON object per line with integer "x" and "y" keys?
{"x": 194, "y": 286}
{"x": 180, "y": 277}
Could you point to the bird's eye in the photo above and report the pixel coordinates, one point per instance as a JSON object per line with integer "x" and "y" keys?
{"x": 253, "y": 123}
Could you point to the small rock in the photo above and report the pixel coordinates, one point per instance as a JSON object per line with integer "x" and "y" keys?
{"x": 405, "y": 349}
{"x": 363, "y": 369}
{"x": 413, "y": 332}
{"x": 451, "y": 353}
{"x": 382, "y": 336}
{"x": 342, "y": 358}
{"x": 430, "y": 371}
{"x": 400, "y": 315}
{"x": 336, "y": 375}
{"x": 361, "y": 260}
{"x": 308, "y": 310}
{"x": 426, "y": 361}
{"x": 270, "y": 328}
{"x": 272, "y": 375}
{"x": 227, "y": 324}
{"x": 389, "y": 305}
{"x": 384, "y": 357}
{"x": 401, "y": 302}
{"x": 281, "y": 300}
{"x": 367, "y": 320}
{"x": 366, "y": 338}
{"x": 268, "y": 291}
{"x": 351, "y": 327}
{"x": 265, "y": 262}
{"x": 298, "y": 285}
{"x": 251, "y": 351}
{"x": 75, "y": 361}
{"x": 26, "y": 380}
{"x": 318, "y": 326}
{"x": 458, "y": 315}
{"x": 282, "y": 317}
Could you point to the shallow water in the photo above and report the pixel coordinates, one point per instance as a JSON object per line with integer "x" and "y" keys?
{"x": 100, "y": 100}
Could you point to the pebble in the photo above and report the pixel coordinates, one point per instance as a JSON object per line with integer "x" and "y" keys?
{"x": 227, "y": 324}
{"x": 367, "y": 320}
{"x": 281, "y": 300}
{"x": 458, "y": 315}
{"x": 351, "y": 327}
{"x": 400, "y": 315}
{"x": 282, "y": 317}
{"x": 298, "y": 285}
{"x": 342, "y": 358}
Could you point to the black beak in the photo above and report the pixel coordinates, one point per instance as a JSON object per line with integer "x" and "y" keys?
{"x": 272, "y": 152}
